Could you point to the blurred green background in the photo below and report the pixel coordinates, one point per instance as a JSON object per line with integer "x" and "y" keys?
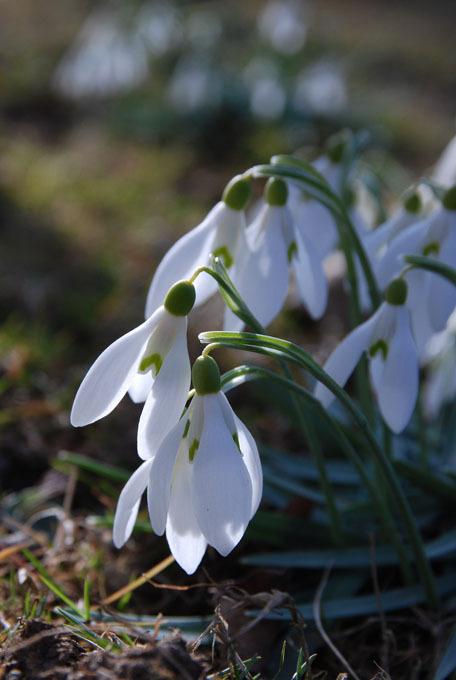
{"x": 120, "y": 124}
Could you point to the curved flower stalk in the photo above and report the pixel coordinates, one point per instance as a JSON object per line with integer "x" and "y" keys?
{"x": 205, "y": 482}
{"x": 221, "y": 234}
{"x": 393, "y": 365}
{"x": 150, "y": 360}
{"x": 262, "y": 270}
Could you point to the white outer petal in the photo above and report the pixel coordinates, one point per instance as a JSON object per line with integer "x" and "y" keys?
{"x": 161, "y": 473}
{"x": 181, "y": 260}
{"x": 128, "y": 504}
{"x": 407, "y": 242}
{"x": 398, "y": 387}
{"x": 252, "y": 462}
{"x": 263, "y": 279}
{"x": 221, "y": 485}
{"x": 185, "y": 539}
{"x": 167, "y": 397}
{"x": 442, "y": 292}
{"x": 343, "y": 360}
{"x": 112, "y": 374}
{"x": 310, "y": 277}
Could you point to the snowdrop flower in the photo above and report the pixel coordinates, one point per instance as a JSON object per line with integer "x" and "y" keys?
{"x": 432, "y": 298}
{"x": 205, "y": 481}
{"x": 261, "y": 272}
{"x": 377, "y": 240}
{"x": 221, "y": 234}
{"x": 440, "y": 385}
{"x": 311, "y": 217}
{"x": 393, "y": 365}
{"x": 151, "y": 359}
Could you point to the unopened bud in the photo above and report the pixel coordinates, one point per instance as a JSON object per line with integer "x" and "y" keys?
{"x": 180, "y": 298}
{"x": 396, "y": 293}
{"x": 276, "y": 192}
{"x": 237, "y": 193}
{"x": 206, "y": 376}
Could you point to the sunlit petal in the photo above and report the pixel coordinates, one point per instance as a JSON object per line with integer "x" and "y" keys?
{"x": 221, "y": 486}
{"x": 112, "y": 374}
{"x": 252, "y": 462}
{"x": 128, "y": 504}
{"x": 188, "y": 253}
{"x": 167, "y": 396}
{"x": 161, "y": 473}
{"x": 185, "y": 539}
{"x": 140, "y": 387}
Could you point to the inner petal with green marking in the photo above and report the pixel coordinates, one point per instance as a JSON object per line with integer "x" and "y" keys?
{"x": 292, "y": 251}
{"x": 236, "y": 441}
{"x": 431, "y": 249}
{"x": 224, "y": 253}
{"x": 192, "y": 449}
{"x": 379, "y": 346}
{"x": 150, "y": 362}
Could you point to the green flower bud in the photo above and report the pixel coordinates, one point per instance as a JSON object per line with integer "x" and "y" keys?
{"x": 335, "y": 146}
{"x": 449, "y": 199}
{"x": 396, "y": 293}
{"x": 206, "y": 376}
{"x": 276, "y": 192}
{"x": 180, "y": 298}
{"x": 412, "y": 202}
{"x": 237, "y": 193}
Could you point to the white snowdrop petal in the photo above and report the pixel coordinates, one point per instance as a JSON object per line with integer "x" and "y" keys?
{"x": 398, "y": 388}
{"x": 310, "y": 277}
{"x": 188, "y": 253}
{"x": 343, "y": 360}
{"x": 167, "y": 396}
{"x": 128, "y": 504}
{"x": 407, "y": 242}
{"x": 184, "y": 536}
{"x": 252, "y": 462}
{"x": 140, "y": 387}
{"x": 112, "y": 374}
{"x": 161, "y": 473}
{"x": 263, "y": 279}
{"x": 221, "y": 486}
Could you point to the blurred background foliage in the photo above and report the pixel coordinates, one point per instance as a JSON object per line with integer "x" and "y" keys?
{"x": 120, "y": 123}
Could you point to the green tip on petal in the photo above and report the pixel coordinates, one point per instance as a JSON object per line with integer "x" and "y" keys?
{"x": 206, "y": 376}
{"x": 276, "y": 192}
{"x": 412, "y": 203}
{"x": 180, "y": 298}
{"x": 449, "y": 199}
{"x": 237, "y": 193}
{"x": 396, "y": 293}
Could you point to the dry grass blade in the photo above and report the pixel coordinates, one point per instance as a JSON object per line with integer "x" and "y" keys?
{"x": 317, "y": 616}
{"x": 161, "y": 566}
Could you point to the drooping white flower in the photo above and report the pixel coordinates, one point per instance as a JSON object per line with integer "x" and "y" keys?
{"x": 262, "y": 270}
{"x": 431, "y": 298}
{"x": 204, "y": 482}
{"x": 393, "y": 365}
{"x": 150, "y": 360}
{"x": 221, "y": 234}
{"x": 312, "y": 219}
